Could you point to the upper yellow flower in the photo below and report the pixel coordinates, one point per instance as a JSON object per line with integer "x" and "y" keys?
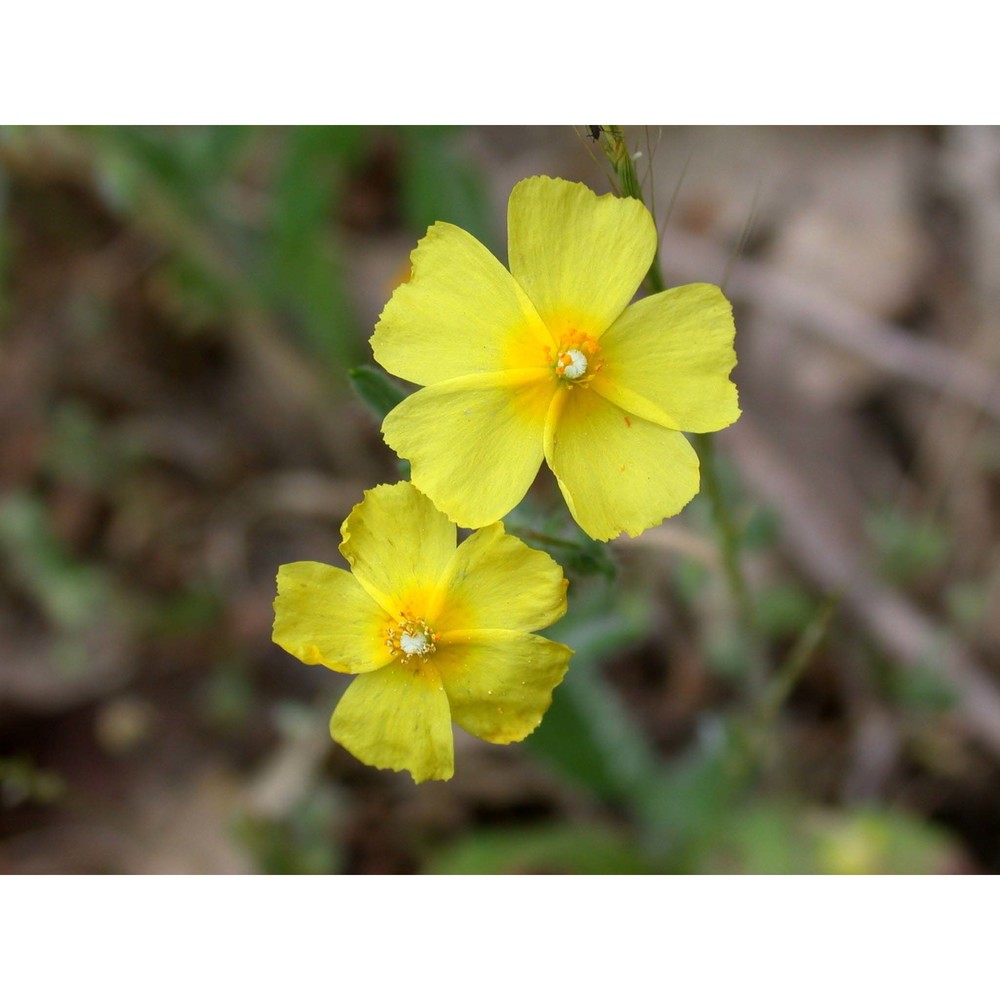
{"x": 437, "y": 633}
{"x": 550, "y": 361}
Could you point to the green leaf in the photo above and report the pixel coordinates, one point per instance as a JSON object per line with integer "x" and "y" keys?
{"x": 588, "y": 734}
{"x": 907, "y": 549}
{"x": 782, "y": 610}
{"x": 376, "y": 390}
{"x": 302, "y": 270}
{"x": 22, "y": 781}
{"x": 556, "y": 849}
{"x": 922, "y": 687}
{"x": 440, "y": 184}
{"x": 793, "y": 838}
{"x": 72, "y": 594}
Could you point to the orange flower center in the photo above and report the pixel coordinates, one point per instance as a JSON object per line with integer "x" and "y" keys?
{"x": 411, "y": 637}
{"x": 577, "y": 360}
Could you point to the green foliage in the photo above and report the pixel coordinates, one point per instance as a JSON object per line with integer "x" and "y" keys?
{"x": 555, "y": 533}
{"x": 186, "y": 611}
{"x": 906, "y": 549}
{"x": 788, "y": 838}
{"x": 226, "y": 698}
{"x": 552, "y": 849}
{"x": 439, "y": 184}
{"x": 923, "y": 688}
{"x": 782, "y": 610}
{"x": 725, "y": 650}
{"x": 586, "y": 557}
{"x": 761, "y": 530}
{"x": 284, "y": 256}
{"x": 685, "y": 805}
{"x": 191, "y": 295}
{"x": 187, "y": 163}
{"x": 80, "y": 451}
{"x": 967, "y": 602}
{"x": 71, "y": 593}
{"x": 588, "y": 735}
{"x": 580, "y": 556}
{"x": 22, "y": 781}
{"x": 302, "y": 265}
{"x": 377, "y": 390}
{"x": 689, "y": 577}
{"x": 301, "y": 843}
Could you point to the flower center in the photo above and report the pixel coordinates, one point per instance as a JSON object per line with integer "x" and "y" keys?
{"x": 578, "y": 358}
{"x": 572, "y": 364}
{"x": 409, "y": 637}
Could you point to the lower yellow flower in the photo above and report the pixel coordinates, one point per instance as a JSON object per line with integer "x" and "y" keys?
{"x": 549, "y": 361}
{"x": 438, "y": 634}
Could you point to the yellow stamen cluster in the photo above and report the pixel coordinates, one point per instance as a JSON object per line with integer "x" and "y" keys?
{"x": 578, "y": 358}
{"x": 411, "y": 636}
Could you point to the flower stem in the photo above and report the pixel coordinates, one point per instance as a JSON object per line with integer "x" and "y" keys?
{"x": 615, "y": 148}
{"x": 797, "y": 661}
{"x": 730, "y": 543}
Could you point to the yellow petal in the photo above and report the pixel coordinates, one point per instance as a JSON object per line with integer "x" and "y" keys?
{"x": 461, "y": 312}
{"x": 398, "y": 718}
{"x": 674, "y": 350}
{"x": 397, "y": 543}
{"x": 580, "y": 257}
{"x": 322, "y": 615}
{"x": 474, "y": 443}
{"x": 617, "y": 471}
{"x": 496, "y": 581}
{"x": 500, "y": 683}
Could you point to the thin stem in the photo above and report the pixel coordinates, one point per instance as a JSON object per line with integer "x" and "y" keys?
{"x": 760, "y": 736}
{"x": 797, "y": 661}
{"x": 615, "y": 148}
{"x": 724, "y": 525}
{"x": 730, "y": 543}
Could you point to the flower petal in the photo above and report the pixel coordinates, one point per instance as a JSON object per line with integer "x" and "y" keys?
{"x": 579, "y": 256}
{"x": 675, "y": 350}
{"x": 398, "y": 718}
{"x": 461, "y": 312}
{"x": 322, "y": 615}
{"x": 474, "y": 443}
{"x": 617, "y": 472}
{"x": 494, "y": 580}
{"x": 397, "y": 543}
{"x": 500, "y": 683}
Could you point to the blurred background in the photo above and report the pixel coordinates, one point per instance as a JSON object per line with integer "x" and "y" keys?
{"x": 179, "y": 310}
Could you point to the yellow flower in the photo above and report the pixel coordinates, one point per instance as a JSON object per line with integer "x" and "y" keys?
{"x": 550, "y": 361}
{"x": 436, "y": 633}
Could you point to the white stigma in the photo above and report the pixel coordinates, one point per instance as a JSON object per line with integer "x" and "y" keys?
{"x": 578, "y": 366}
{"x": 414, "y": 645}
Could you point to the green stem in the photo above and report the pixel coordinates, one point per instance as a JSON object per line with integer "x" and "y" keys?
{"x": 616, "y": 149}
{"x": 730, "y": 544}
{"x": 758, "y": 736}
{"x": 529, "y": 534}
{"x": 725, "y": 528}
{"x": 797, "y": 661}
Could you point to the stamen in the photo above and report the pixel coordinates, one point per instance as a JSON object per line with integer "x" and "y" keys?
{"x": 409, "y": 637}
{"x": 578, "y": 358}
